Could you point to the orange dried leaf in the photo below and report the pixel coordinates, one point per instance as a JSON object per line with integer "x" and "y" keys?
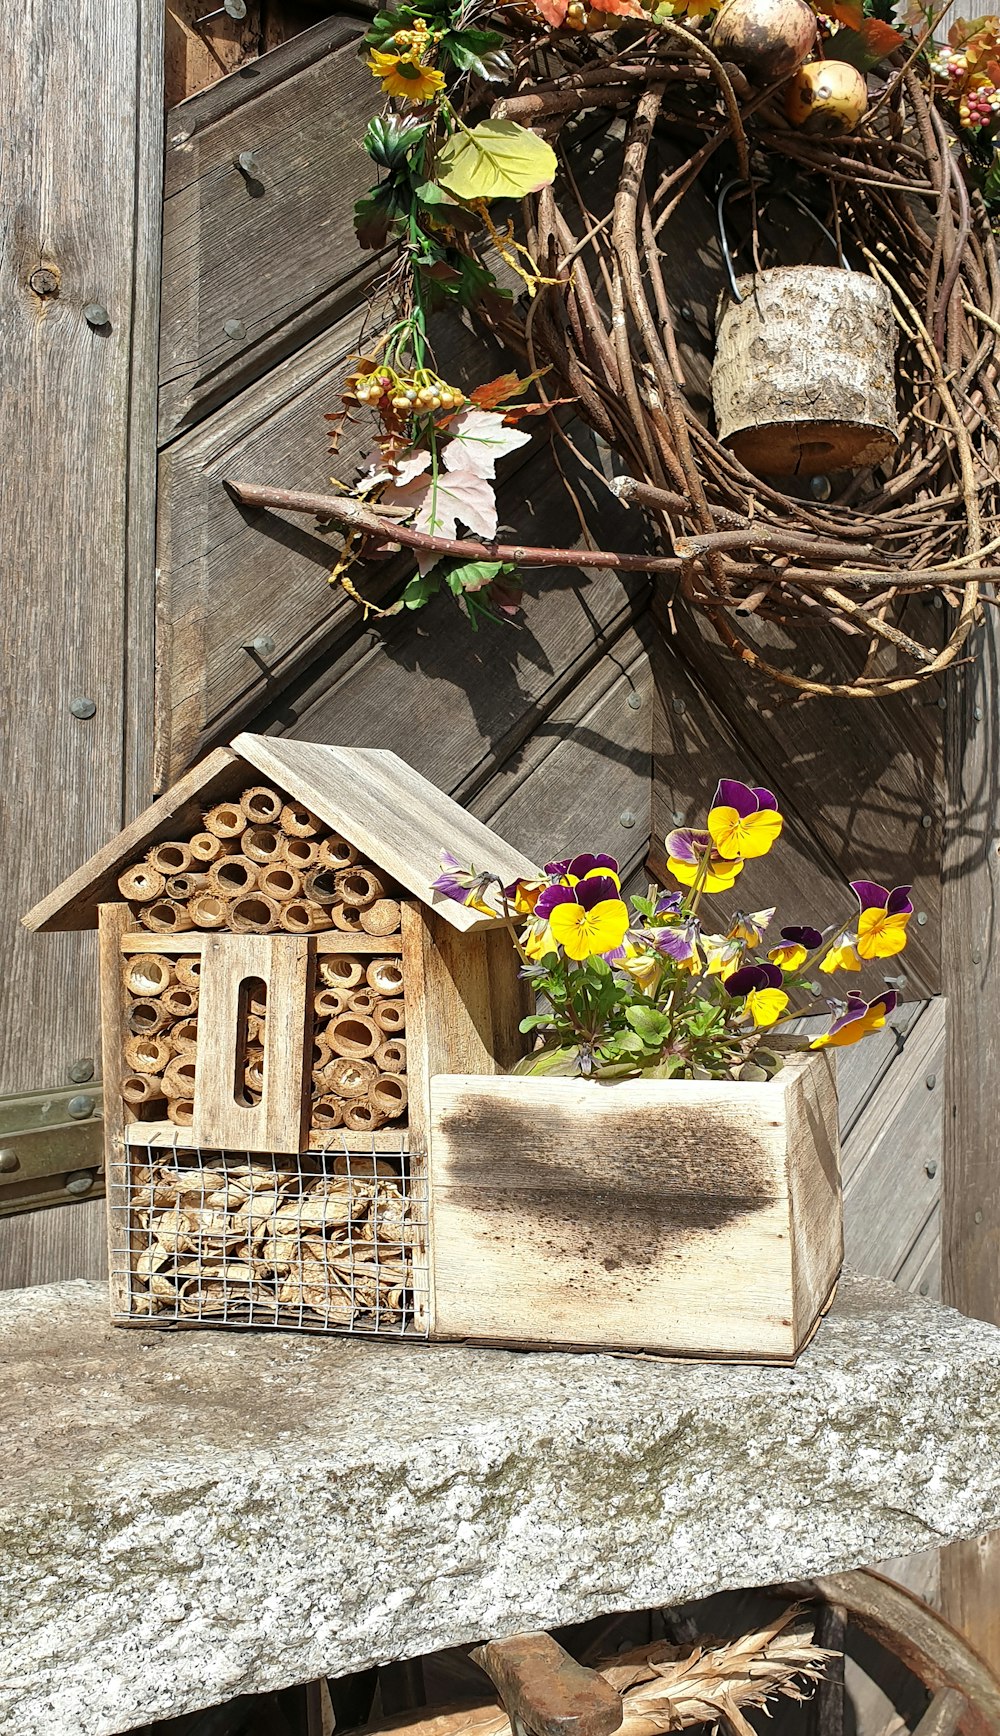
{"x": 845, "y": 12}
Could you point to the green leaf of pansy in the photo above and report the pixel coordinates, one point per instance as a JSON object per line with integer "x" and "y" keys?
{"x": 495, "y": 160}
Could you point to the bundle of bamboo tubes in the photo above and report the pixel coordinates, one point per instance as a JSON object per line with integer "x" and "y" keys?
{"x": 161, "y": 1029}
{"x": 359, "y": 1052}
{"x": 261, "y": 865}
{"x": 213, "y": 1237}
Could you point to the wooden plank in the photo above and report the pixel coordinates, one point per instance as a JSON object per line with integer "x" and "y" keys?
{"x": 921, "y": 1270}
{"x": 970, "y": 1224}
{"x": 903, "y": 1091}
{"x": 587, "y": 1215}
{"x": 817, "y": 1228}
{"x": 389, "y": 813}
{"x": 283, "y": 962}
{"x": 860, "y": 776}
{"x": 80, "y": 172}
{"x": 53, "y": 1246}
{"x": 196, "y": 57}
{"x": 330, "y": 941}
{"x": 298, "y": 263}
{"x": 73, "y": 904}
{"x": 165, "y": 1135}
{"x": 594, "y": 743}
{"x": 113, "y": 920}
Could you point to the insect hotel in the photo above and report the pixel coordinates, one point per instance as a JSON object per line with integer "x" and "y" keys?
{"x": 279, "y": 984}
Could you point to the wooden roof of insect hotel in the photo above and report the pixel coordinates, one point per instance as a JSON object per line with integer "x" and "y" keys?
{"x": 370, "y": 796}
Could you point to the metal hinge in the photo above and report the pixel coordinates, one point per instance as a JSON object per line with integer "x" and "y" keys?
{"x": 51, "y": 1149}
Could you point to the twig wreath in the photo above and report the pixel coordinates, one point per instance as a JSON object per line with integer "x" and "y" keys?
{"x": 852, "y": 462}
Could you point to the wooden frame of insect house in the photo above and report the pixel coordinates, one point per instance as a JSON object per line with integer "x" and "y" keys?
{"x": 279, "y": 984}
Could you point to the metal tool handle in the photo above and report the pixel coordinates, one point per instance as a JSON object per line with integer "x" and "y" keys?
{"x": 727, "y": 258}
{"x": 547, "y": 1692}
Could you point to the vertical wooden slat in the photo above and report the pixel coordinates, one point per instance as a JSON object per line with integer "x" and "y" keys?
{"x": 970, "y": 1572}
{"x": 114, "y": 921}
{"x": 79, "y": 203}
{"x": 283, "y": 963}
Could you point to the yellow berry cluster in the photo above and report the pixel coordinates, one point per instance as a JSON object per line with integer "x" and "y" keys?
{"x": 414, "y": 394}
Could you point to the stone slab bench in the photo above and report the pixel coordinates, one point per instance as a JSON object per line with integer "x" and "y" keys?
{"x": 189, "y": 1516}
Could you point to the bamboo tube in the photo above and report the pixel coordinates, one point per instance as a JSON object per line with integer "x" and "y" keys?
{"x": 169, "y": 858}
{"x": 141, "y": 884}
{"x": 261, "y": 805}
{"x": 320, "y": 884}
{"x": 205, "y": 848}
{"x": 208, "y": 910}
{"x": 165, "y": 917}
{"x": 139, "y": 1088}
{"x": 302, "y": 916}
{"x": 361, "y": 1116}
{"x": 363, "y": 1001}
{"x": 390, "y": 1056}
{"x": 252, "y": 915}
{"x": 347, "y": 1077}
{"x": 341, "y": 971}
{"x": 389, "y": 1095}
{"x": 354, "y": 1035}
{"x": 181, "y": 1003}
{"x": 347, "y": 918}
{"x": 148, "y": 973}
{"x": 188, "y": 969}
{"x": 232, "y": 876}
{"x": 359, "y": 886}
{"x": 390, "y": 1017}
{"x": 262, "y": 843}
{"x": 297, "y": 821}
{"x": 184, "y": 1036}
{"x": 300, "y": 852}
{"x": 180, "y": 1110}
{"x": 254, "y": 1070}
{"x": 147, "y": 1054}
{"x": 145, "y": 1018}
{"x": 226, "y": 820}
{"x": 385, "y": 976}
{"x": 255, "y": 1028}
{"x": 327, "y": 1112}
{"x": 382, "y": 917}
{"x": 279, "y": 881}
{"x": 178, "y": 1079}
{"x": 336, "y": 852}
{"x": 182, "y": 886}
{"x": 257, "y": 1002}
{"x": 322, "y": 1053}
{"x": 329, "y": 1002}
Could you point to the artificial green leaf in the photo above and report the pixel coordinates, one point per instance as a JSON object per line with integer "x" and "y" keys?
{"x": 389, "y": 139}
{"x": 472, "y": 575}
{"x": 385, "y": 24}
{"x": 477, "y": 51}
{"x": 421, "y": 589}
{"x": 374, "y": 216}
{"x": 495, "y": 160}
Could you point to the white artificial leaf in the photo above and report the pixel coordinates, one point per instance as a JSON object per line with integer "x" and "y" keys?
{"x": 412, "y": 464}
{"x": 477, "y": 438}
{"x": 439, "y": 504}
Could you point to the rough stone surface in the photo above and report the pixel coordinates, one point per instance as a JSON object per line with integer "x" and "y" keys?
{"x": 185, "y": 1517}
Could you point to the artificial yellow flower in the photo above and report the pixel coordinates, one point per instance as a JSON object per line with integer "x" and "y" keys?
{"x": 404, "y": 76}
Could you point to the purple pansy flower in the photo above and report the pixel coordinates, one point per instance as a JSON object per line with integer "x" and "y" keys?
{"x": 680, "y": 943}
{"x": 751, "y": 977}
{"x": 857, "y": 1021}
{"x": 668, "y": 904}
{"x": 585, "y": 864}
{"x": 871, "y": 896}
{"x": 745, "y": 798}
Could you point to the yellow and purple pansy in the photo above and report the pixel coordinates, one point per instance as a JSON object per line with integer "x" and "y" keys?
{"x": 587, "y": 919}
{"x": 766, "y": 1000}
{"x": 681, "y": 943}
{"x": 743, "y": 820}
{"x": 465, "y": 885}
{"x": 841, "y": 956}
{"x": 796, "y": 943}
{"x": 883, "y": 919}
{"x": 687, "y": 852}
{"x": 860, "y": 1018}
{"x": 750, "y": 926}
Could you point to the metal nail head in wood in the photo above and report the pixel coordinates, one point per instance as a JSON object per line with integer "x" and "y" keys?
{"x": 82, "y": 707}
{"x": 95, "y": 315}
{"x": 233, "y": 8}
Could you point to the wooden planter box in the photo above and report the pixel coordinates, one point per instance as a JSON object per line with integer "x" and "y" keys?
{"x": 677, "y": 1217}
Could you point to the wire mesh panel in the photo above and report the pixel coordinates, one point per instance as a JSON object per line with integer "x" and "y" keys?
{"x": 330, "y": 1239}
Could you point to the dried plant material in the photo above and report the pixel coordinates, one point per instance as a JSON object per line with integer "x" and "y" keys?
{"x": 390, "y": 1017}
{"x": 138, "y": 1088}
{"x": 385, "y": 976}
{"x": 231, "y": 876}
{"x": 178, "y": 1079}
{"x": 179, "y": 1002}
{"x": 262, "y": 843}
{"x": 388, "y": 1095}
{"x": 180, "y": 1110}
{"x": 169, "y": 858}
{"x": 359, "y": 886}
{"x": 297, "y": 821}
{"x": 390, "y": 1057}
{"x": 184, "y": 1036}
{"x": 187, "y": 968}
{"x": 141, "y": 884}
{"x": 205, "y": 848}
{"x": 354, "y": 1035}
{"x": 349, "y": 1076}
{"x": 280, "y": 881}
{"x": 347, "y": 918}
{"x": 262, "y": 805}
{"x": 302, "y": 916}
{"x": 183, "y": 886}
{"x": 146, "y": 1054}
{"x": 147, "y": 974}
{"x": 165, "y": 916}
{"x": 209, "y": 910}
{"x": 225, "y": 820}
{"x": 341, "y": 971}
{"x": 327, "y": 1113}
{"x": 382, "y": 917}
{"x": 336, "y": 852}
{"x": 320, "y": 884}
{"x": 362, "y": 1001}
{"x": 145, "y": 1018}
{"x": 300, "y": 852}
{"x": 362, "y": 1115}
{"x": 329, "y": 1002}
{"x": 253, "y": 914}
